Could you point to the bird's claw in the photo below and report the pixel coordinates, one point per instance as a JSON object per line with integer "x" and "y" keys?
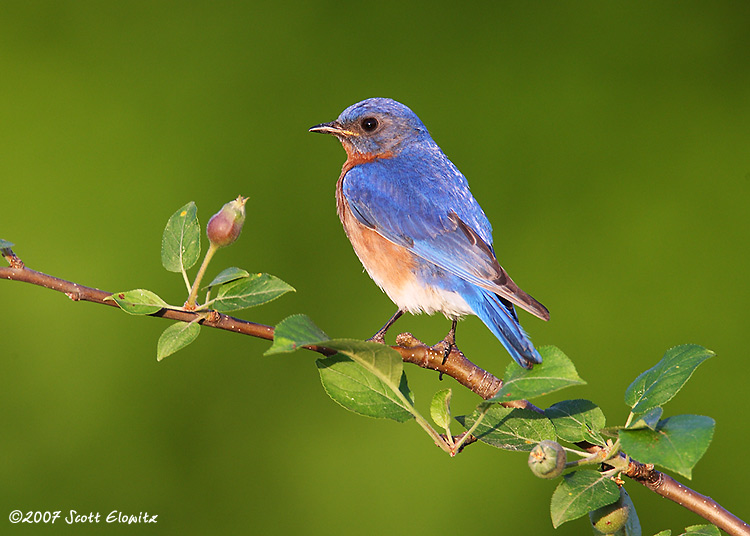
{"x": 378, "y": 338}
{"x": 448, "y": 343}
{"x": 445, "y": 347}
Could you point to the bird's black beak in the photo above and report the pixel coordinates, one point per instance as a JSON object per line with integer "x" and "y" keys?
{"x": 334, "y": 127}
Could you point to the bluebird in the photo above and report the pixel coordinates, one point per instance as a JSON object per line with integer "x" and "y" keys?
{"x": 419, "y": 232}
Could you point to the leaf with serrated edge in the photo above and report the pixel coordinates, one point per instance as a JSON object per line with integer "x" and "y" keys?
{"x": 659, "y": 384}
{"x": 440, "y": 408}
{"x": 230, "y": 274}
{"x": 577, "y": 420}
{"x": 646, "y": 420}
{"x": 138, "y": 302}
{"x": 249, "y": 291}
{"x": 352, "y": 386}
{"x": 677, "y": 444}
{"x": 293, "y": 332}
{"x": 556, "y": 372}
{"x": 702, "y": 530}
{"x": 579, "y": 493}
{"x": 381, "y": 360}
{"x": 510, "y": 428}
{"x": 181, "y": 240}
{"x": 176, "y": 337}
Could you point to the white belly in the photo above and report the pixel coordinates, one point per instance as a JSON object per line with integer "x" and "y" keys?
{"x": 410, "y": 295}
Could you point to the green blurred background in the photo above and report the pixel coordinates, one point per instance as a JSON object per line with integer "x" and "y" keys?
{"x": 608, "y": 144}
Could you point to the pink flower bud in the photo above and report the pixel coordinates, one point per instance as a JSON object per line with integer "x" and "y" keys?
{"x": 225, "y": 226}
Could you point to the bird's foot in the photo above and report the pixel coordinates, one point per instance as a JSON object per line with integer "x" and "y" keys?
{"x": 448, "y": 343}
{"x": 378, "y": 338}
{"x": 445, "y": 347}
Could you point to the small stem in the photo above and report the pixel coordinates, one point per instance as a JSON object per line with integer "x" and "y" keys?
{"x": 473, "y": 427}
{"x": 630, "y": 419}
{"x": 613, "y": 451}
{"x": 185, "y": 277}
{"x": 577, "y": 452}
{"x": 439, "y": 441}
{"x": 449, "y": 440}
{"x": 596, "y": 458}
{"x": 190, "y": 304}
{"x": 421, "y": 421}
{"x": 206, "y": 305}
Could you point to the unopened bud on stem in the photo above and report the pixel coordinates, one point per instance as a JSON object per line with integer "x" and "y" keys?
{"x": 225, "y": 226}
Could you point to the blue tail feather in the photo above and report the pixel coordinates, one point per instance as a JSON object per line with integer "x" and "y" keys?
{"x": 502, "y": 323}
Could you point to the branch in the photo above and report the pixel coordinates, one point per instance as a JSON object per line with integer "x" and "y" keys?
{"x": 704, "y": 506}
{"x": 456, "y": 365}
{"x": 414, "y": 351}
{"x": 77, "y": 292}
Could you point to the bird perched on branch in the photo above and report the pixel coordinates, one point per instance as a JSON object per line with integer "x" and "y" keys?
{"x": 418, "y": 231}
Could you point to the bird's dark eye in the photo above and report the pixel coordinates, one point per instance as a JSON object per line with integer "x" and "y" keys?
{"x": 369, "y": 124}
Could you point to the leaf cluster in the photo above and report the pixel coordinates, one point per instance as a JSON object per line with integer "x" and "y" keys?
{"x": 369, "y": 379}
{"x": 233, "y": 288}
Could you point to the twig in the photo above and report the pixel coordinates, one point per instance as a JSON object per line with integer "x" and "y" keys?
{"x": 413, "y": 351}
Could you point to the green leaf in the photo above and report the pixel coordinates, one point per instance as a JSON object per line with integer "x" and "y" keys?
{"x": 379, "y": 373}
{"x": 249, "y": 292}
{"x": 176, "y": 337}
{"x": 703, "y": 530}
{"x": 4, "y": 244}
{"x": 577, "y": 420}
{"x": 359, "y": 390}
{"x": 666, "y": 532}
{"x": 579, "y": 493}
{"x": 663, "y": 381}
{"x": 138, "y": 302}
{"x": 181, "y": 241}
{"x": 510, "y": 428}
{"x": 379, "y": 359}
{"x": 293, "y": 332}
{"x": 646, "y": 420}
{"x": 230, "y": 274}
{"x": 677, "y": 443}
{"x": 556, "y": 372}
{"x": 440, "y": 408}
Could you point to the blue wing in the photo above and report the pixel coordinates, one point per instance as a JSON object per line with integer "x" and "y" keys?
{"x": 424, "y": 203}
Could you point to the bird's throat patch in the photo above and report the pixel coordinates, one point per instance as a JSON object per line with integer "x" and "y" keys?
{"x": 355, "y": 159}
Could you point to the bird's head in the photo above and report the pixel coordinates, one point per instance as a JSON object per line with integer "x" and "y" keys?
{"x": 375, "y": 126}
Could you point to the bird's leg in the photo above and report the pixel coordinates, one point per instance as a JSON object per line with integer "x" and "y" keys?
{"x": 380, "y": 335}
